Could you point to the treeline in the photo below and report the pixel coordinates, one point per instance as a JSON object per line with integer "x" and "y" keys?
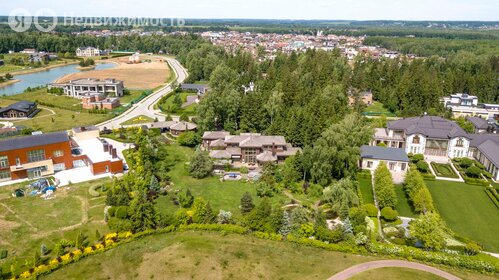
{"x": 60, "y": 43}
{"x": 441, "y": 46}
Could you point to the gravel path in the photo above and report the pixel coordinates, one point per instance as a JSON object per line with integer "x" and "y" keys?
{"x": 356, "y": 269}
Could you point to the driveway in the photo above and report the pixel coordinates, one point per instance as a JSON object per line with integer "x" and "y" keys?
{"x": 356, "y": 269}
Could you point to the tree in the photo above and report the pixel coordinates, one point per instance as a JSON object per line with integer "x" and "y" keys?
{"x": 154, "y": 184}
{"x": 188, "y": 138}
{"x": 389, "y": 214}
{"x": 199, "y": 210}
{"x": 259, "y": 218}
{"x": 8, "y": 76}
{"x": 224, "y": 217}
{"x": 200, "y": 165}
{"x": 246, "y": 203}
{"x": 184, "y": 117}
{"x": 142, "y": 213}
{"x": 286, "y": 224}
{"x": 430, "y": 229}
{"x": 465, "y": 124}
{"x": 384, "y": 187}
{"x": 341, "y": 195}
{"x": 417, "y": 192}
{"x": 186, "y": 199}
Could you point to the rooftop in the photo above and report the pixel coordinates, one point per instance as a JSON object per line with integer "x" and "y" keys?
{"x": 429, "y": 126}
{"x": 383, "y": 153}
{"x": 478, "y": 122}
{"x": 93, "y": 148}
{"x": 33, "y": 141}
{"x": 23, "y": 106}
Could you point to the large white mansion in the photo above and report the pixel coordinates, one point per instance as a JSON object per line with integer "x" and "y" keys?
{"x": 83, "y": 87}
{"x": 463, "y": 104}
{"x": 438, "y": 137}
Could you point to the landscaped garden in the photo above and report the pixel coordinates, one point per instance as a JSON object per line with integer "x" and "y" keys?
{"x": 444, "y": 170}
{"x": 467, "y": 211}
{"x": 472, "y": 171}
{"x": 365, "y": 186}
{"x": 403, "y": 207}
{"x": 172, "y": 103}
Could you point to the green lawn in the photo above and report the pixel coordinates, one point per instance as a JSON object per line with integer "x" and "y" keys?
{"x": 28, "y": 222}
{"x": 377, "y": 107}
{"x": 403, "y": 207}
{"x": 222, "y": 195}
{"x": 366, "y": 190}
{"x": 444, "y": 170}
{"x": 129, "y": 97}
{"x": 41, "y": 95}
{"x": 167, "y": 103}
{"x": 138, "y": 120}
{"x": 468, "y": 211}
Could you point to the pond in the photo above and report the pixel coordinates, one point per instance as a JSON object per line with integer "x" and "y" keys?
{"x": 45, "y": 77}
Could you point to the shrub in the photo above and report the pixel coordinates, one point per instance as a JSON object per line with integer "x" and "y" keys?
{"x": 465, "y": 162}
{"x": 389, "y": 214}
{"x": 111, "y": 211}
{"x": 244, "y": 170}
{"x": 189, "y": 139}
{"x": 371, "y": 210}
{"x": 423, "y": 166}
{"x": 119, "y": 224}
{"x": 472, "y": 248}
{"x": 3, "y": 254}
{"x": 264, "y": 190}
{"x": 417, "y": 158}
{"x": 121, "y": 212}
{"x": 473, "y": 171}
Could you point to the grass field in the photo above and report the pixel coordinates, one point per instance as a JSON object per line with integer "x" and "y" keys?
{"x": 395, "y": 273}
{"x": 377, "y": 107}
{"x": 209, "y": 255}
{"x": 222, "y": 195}
{"x": 444, "y": 170}
{"x": 28, "y": 222}
{"x": 41, "y": 95}
{"x": 366, "y": 190}
{"x": 15, "y": 69}
{"x": 403, "y": 207}
{"x": 467, "y": 211}
{"x": 138, "y": 120}
{"x": 167, "y": 103}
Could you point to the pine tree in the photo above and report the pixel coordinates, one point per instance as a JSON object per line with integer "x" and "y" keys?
{"x": 142, "y": 213}
{"x": 320, "y": 219}
{"x": 286, "y": 224}
{"x": 347, "y": 226}
{"x": 154, "y": 184}
{"x": 43, "y": 250}
{"x": 246, "y": 203}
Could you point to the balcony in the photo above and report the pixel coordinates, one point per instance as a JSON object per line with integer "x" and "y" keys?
{"x": 30, "y": 165}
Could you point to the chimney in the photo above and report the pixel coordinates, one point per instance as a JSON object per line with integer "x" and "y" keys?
{"x": 106, "y": 147}
{"x": 83, "y": 128}
{"x": 110, "y": 149}
{"x": 114, "y": 153}
{"x": 273, "y": 149}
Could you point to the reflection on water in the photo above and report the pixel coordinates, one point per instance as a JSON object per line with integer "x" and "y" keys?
{"x": 45, "y": 77}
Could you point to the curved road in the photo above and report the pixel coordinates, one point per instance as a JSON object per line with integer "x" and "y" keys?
{"x": 356, "y": 269}
{"x": 146, "y": 106}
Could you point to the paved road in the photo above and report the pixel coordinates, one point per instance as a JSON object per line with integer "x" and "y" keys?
{"x": 146, "y": 106}
{"x": 356, "y": 269}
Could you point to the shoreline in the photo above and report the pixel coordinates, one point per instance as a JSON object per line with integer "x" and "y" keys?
{"x": 8, "y": 83}
{"x": 41, "y": 69}
{"x": 58, "y": 80}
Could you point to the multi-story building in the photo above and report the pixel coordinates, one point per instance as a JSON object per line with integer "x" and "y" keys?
{"x": 247, "y": 148}
{"x": 89, "y": 52}
{"x": 44, "y": 154}
{"x": 86, "y": 86}
{"x": 465, "y": 105}
{"x": 21, "y": 109}
{"x": 438, "y": 137}
{"x": 99, "y": 101}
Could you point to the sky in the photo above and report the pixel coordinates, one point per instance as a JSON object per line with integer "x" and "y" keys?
{"x": 476, "y": 10}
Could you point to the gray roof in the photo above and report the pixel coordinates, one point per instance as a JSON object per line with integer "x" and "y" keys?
{"x": 478, "y": 139}
{"x": 194, "y": 86}
{"x": 490, "y": 149}
{"x": 429, "y": 126}
{"x": 22, "y": 106}
{"x": 33, "y": 141}
{"x": 383, "y": 153}
{"x": 213, "y": 135}
{"x": 478, "y": 123}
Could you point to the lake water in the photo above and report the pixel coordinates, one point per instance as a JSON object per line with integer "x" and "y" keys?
{"x": 45, "y": 77}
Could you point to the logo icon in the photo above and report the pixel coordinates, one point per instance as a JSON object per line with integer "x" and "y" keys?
{"x": 20, "y": 20}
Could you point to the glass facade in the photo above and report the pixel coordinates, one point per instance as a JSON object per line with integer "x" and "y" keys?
{"x": 36, "y": 155}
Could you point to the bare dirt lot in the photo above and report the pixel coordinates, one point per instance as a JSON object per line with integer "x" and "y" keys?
{"x": 144, "y": 75}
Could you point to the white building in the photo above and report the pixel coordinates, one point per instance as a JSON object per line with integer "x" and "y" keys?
{"x": 89, "y": 52}
{"x": 395, "y": 159}
{"x": 83, "y": 87}
{"x": 463, "y": 104}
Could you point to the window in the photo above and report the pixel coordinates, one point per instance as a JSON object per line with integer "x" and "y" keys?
{"x": 36, "y": 155}
{"x": 403, "y": 167}
{"x": 4, "y": 161}
{"x": 107, "y": 168}
{"x": 460, "y": 142}
{"x": 392, "y": 165}
{"x": 369, "y": 164}
{"x": 415, "y": 139}
{"x": 18, "y": 161}
{"x": 4, "y": 174}
{"x": 58, "y": 153}
{"x": 59, "y": 166}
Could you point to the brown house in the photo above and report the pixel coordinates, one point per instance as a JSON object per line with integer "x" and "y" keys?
{"x": 21, "y": 109}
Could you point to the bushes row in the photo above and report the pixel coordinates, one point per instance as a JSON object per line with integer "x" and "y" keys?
{"x": 492, "y": 194}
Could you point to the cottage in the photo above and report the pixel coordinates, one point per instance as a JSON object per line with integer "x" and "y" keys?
{"x": 175, "y": 127}
{"x": 21, "y": 109}
{"x": 201, "y": 89}
{"x": 395, "y": 159}
{"x": 247, "y": 148}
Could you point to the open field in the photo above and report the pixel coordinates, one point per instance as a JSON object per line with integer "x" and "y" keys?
{"x": 41, "y": 95}
{"x": 209, "y": 255}
{"x": 145, "y": 75}
{"x": 468, "y": 211}
{"x": 28, "y": 222}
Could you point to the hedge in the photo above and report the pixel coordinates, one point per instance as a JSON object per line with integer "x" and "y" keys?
{"x": 490, "y": 194}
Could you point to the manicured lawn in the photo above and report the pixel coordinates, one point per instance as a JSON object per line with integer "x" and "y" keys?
{"x": 221, "y": 195}
{"x": 28, "y": 222}
{"x": 468, "y": 211}
{"x": 129, "y": 97}
{"x": 366, "y": 190}
{"x": 42, "y": 96}
{"x": 138, "y": 120}
{"x": 167, "y": 103}
{"x": 444, "y": 170}
{"x": 377, "y": 107}
{"x": 403, "y": 207}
